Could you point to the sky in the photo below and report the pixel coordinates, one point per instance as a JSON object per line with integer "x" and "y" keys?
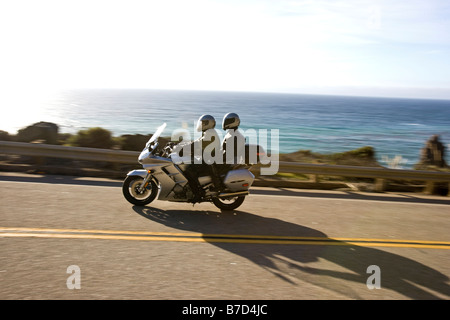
{"x": 391, "y": 48}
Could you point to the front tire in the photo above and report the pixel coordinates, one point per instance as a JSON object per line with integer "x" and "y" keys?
{"x": 130, "y": 189}
{"x": 228, "y": 204}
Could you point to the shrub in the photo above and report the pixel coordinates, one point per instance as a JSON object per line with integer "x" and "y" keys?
{"x": 92, "y": 138}
{"x": 4, "y": 136}
{"x": 133, "y": 142}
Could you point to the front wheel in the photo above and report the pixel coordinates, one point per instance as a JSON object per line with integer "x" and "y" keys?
{"x": 130, "y": 189}
{"x": 228, "y": 204}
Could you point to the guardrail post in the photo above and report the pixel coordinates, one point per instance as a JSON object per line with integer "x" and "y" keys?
{"x": 39, "y": 162}
{"x": 380, "y": 185}
{"x": 430, "y": 187}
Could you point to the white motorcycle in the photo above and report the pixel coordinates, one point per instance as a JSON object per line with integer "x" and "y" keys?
{"x": 166, "y": 179}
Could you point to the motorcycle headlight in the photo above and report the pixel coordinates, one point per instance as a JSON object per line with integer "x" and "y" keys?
{"x": 144, "y": 154}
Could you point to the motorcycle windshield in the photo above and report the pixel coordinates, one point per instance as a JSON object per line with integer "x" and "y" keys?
{"x": 156, "y": 135}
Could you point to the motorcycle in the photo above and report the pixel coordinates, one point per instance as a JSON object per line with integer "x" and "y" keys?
{"x": 164, "y": 177}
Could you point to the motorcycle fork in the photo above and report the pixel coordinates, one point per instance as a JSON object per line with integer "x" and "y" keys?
{"x": 146, "y": 181}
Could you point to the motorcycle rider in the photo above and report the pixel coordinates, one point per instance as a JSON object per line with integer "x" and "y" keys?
{"x": 208, "y": 140}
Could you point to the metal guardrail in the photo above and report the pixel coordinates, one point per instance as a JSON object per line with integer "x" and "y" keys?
{"x": 364, "y": 172}
{"x": 130, "y": 157}
{"x": 381, "y": 175}
{"x": 75, "y": 153}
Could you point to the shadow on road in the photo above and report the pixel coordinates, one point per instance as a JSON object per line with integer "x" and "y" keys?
{"x": 296, "y": 262}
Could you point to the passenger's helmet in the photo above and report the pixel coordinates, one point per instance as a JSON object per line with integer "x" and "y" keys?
{"x": 231, "y": 121}
{"x": 206, "y": 122}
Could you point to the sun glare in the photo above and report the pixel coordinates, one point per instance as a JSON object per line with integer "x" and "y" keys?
{"x": 21, "y": 108}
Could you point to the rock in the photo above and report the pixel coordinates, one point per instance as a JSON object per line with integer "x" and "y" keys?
{"x": 46, "y": 131}
{"x": 364, "y": 156}
{"x": 433, "y": 154}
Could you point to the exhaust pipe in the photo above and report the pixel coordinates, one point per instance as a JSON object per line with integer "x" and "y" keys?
{"x": 233, "y": 194}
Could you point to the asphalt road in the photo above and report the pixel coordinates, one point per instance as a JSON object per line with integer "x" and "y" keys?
{"x": 57, "y": 232}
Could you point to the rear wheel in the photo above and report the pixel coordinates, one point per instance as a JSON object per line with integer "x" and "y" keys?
{"x": 229, "y": 203}
{"x": 130, "y": 189}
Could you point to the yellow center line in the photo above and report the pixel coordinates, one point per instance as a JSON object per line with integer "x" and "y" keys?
{"x": 201, "y": 237}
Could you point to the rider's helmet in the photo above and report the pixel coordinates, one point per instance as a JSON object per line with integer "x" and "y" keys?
{"x": 206, "y": 122}
{"x": 231, "y": 121}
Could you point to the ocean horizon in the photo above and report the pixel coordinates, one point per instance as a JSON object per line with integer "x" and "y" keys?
{"x": 395, "y": 127}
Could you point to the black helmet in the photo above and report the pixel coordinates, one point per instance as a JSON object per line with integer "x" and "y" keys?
{"x": 231, "y": 121}
{"x": 206, "y": 122}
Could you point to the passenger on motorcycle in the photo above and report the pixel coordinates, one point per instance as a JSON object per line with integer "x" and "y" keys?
{"x": 233, "y": 144}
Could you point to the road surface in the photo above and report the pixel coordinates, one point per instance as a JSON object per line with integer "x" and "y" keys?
{"x": 58, "y": 232}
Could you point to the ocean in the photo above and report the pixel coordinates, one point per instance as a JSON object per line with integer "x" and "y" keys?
{"x": 326, "y": 124}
